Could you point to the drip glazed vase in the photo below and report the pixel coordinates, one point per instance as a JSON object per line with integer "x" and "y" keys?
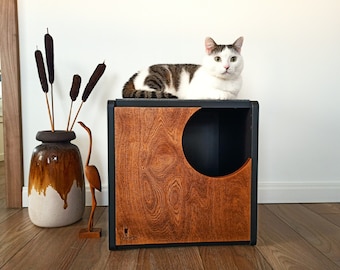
{"x": 56, "y": 188}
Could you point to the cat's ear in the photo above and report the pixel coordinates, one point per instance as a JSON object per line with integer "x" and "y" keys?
{"x": 210, "y": 45}
{"x": 238, "y": 44}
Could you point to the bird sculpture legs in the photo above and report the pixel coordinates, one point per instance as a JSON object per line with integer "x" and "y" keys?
{"x": 94, "y": 204}
{"x": 91, "y": 232}
{"x": 93, "y": 177}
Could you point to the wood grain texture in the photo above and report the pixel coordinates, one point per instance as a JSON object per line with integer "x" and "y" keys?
{"x": 322, "y": 234}
{"x": 67, "y": 240}
{"x": 5, "y": 213}
{"x": 329, "y": 211}
{"x": 16, "y": 235}
{"x": 284, "y": 248}
{"x": 126, "y": 260}
{"x": 232, "y": 257}
{"x": 94, "y": 253}
{"x": 25, "y": 246}
{"x": 172, "y": 258}
{"x": 9, "y": 53}
{"x": 160, "y": 198}
{"x": 3, "y": 196}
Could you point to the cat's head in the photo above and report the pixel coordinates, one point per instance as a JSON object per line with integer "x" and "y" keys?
{"x": 223, "y": 61}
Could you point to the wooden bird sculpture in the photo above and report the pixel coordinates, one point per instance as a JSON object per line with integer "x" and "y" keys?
{"x": 93, "y": 177}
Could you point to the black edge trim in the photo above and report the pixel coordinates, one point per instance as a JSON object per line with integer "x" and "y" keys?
{"x": 254, "y": 155}
{"x": 111, "y": 176}
{"x": 126, "y": 247}
{"x": 145, "y": 102}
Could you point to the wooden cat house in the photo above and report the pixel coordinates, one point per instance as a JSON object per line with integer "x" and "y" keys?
{"x": 182, "y": 172}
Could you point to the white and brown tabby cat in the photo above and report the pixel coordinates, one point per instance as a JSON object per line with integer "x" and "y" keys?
{"x": 219, "y": 76}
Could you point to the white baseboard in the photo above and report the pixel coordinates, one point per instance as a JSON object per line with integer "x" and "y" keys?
{"x": 101, "y": 197}
{"x": 284, "y": 192}
{"x": 299, "y": 192}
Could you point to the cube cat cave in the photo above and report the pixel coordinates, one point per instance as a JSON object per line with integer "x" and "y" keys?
{"x": 182, "y": 172}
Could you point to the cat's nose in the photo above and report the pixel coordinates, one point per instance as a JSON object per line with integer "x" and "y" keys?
{"x": 226, "y": 67}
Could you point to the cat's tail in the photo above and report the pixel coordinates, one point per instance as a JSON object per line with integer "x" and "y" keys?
{"x": 129, "y": 91}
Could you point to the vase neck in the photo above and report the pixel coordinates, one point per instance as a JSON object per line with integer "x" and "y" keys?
{"x": 55, "y": 136}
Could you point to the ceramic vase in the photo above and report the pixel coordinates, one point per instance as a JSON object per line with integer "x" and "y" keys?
{"x": 56, "y": 189}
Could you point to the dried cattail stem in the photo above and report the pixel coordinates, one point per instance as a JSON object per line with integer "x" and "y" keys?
{"x": 49, "y": 113}
{"x": 75, "y": 118}
{"x": 43, "y": 81}
{"x": 98, "y": 72}
{"x": 52, "y": 101}
{"x": 69, "y": 116}
{"x": 74, "y": 92}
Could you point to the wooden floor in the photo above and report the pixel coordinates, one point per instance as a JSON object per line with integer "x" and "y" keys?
{"x": 2, "y": 185}
{"x": 290, "y": 236}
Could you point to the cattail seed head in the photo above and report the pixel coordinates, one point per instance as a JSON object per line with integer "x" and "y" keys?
{"x": 75, "y": 87}
{"x": 49, "y": 57}
{"x": 41, "y": 70}
{"x": 93, "y": 81}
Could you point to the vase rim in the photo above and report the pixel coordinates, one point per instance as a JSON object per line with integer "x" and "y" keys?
{"x": 55, "y": 136}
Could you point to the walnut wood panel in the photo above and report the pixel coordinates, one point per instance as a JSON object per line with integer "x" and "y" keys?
{"x": 160, "y": 198}
{"x": 9, "y": 53}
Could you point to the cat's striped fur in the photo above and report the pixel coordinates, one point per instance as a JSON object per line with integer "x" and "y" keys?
{"x": 217, "y": 78}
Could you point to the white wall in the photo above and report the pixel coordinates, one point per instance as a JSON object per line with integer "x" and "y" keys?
{"x": 292, "y": 65}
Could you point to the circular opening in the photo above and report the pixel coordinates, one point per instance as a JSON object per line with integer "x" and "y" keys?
{"x": 215, "y": 140}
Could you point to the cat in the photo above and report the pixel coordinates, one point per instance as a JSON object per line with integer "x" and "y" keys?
{"x": 219, "y": 76}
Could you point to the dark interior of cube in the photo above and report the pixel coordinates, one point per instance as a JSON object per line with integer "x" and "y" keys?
{"x": 216, "y": 142}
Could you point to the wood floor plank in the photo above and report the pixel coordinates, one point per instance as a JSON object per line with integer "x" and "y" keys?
{"x": 17, "y": 232}
{"x": 289, "y": 237}
{"x": 232, "y": 257}
{"x": 123, "y": 260}
{"x": 329, "y": 211}
{"x": 5, "y": 213}
{"x": 170, "y": 258}
{"x": 323, "y": 208}
{"x": 334, "y": 218}
{"x": 52, "y": 248}
{"x": 95, "y": 252}
{"x": 284, "y": 248}
{"x": 322, "y": 234}
{"x": 2, "y": 185}
{"x": 2, "y": 195}
{"x": 2, "y": 202}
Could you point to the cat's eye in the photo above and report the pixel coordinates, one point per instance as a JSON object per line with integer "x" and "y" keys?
{"x": 217, "y": 59}
{"x": 233, "y": 59}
